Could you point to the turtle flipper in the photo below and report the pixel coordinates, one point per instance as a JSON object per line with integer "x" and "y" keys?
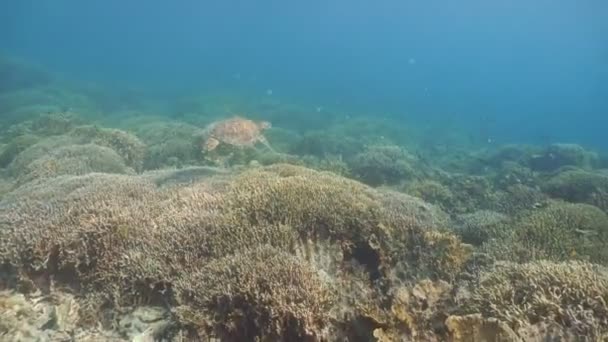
{"x": 264, "y": 142}
{"x": 211, "y": 144}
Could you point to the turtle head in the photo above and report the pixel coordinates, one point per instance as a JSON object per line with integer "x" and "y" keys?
{"x": 265, "y": 125}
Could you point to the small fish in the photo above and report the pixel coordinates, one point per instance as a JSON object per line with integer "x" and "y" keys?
{"x": 584, "y": 232}
{"x": 269, "y": 92}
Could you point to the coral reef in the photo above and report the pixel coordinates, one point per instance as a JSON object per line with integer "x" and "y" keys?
{"x": 74, "y": 160}
{"x": 480, "y": 226}
{"x": 169, "y": 144}
{"x": 128, "y": 146}
{"x": 579, "y": 187}
{"x": 455, "y": 193}
{"x": 120, "y": 227}
{"x": 560, "y": 231}
{"x": 123, "y": 237}
{"x": 559, "y": 155}
{"x": 378, "y": 165}
{"x": 16, "y": 146}
{"x": 260, "y": 294}
{"x": 56, "y": 317}
{"x": 570, "y": 295}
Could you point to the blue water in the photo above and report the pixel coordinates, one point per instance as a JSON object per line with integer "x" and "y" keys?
{"x": 521, "y": 71}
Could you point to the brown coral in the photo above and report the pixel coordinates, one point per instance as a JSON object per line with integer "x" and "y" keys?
{"x": 572, "y": 295}
{"x": 559, "y": 231}
{"x": 260, "y": 294}
{"x": 131, "y": 241}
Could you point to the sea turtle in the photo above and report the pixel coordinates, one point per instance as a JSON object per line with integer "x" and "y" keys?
{"x": 235, "y": 131}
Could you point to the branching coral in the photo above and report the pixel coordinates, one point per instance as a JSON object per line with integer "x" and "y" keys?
{"x": 128, "y": 146}
{"x": 382, "y": 165}
{"x": 16, "y": 146}
{"x": 478, "y": 227}
{"x": 560, "y": 155}
{"x": 579, "y": 186}
{"x": 169, "y": 143}
{"x": 74, "y": 160}
{"x": 261, "y": 294}
{"x": 571, "y": 294}
{"x": 129, "y": 240}
{"x": 36, "y": 151}
{"x": 560, "y": 231}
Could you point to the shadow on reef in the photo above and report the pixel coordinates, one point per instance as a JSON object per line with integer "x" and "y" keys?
{"x": 124, "y": 227}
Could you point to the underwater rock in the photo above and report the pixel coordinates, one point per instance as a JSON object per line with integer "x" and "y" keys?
{"x": 476, "y": 328}
{"x": 145, "y": 323}
{"x": 560, "y": 155}
{"x": 416, "y": 312}
{"x": 56, "y": 317}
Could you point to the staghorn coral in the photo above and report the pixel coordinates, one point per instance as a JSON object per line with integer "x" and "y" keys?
{"x": 514, "y": 174}
{"x": 560, "y": 155}
{"x": 559, "y": 231}
{"x": 378, "y": 165}
{"x": 345, "y": 211}
{"x": 579, "y": 187}
{"x": 572, "y": 295}
{"x": 455, "y": 193}
{"x": 510, "y": 153}
{"x": 168, "y": 143}
{"x": 74, "y": 160}
{"x": 128, "y": 146}
{"x": 517, "y": 198}
{"x": 16, "y": 146}
{"x": 125, "y": 240}
{"x": 346, "y": 138}
{"x": 432, "y": 192}
{"x": 479, "y": 226}
{"x": 260, "y": 294}
{"x": 38, "y": 150}
{"x": 470, "y": 192}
